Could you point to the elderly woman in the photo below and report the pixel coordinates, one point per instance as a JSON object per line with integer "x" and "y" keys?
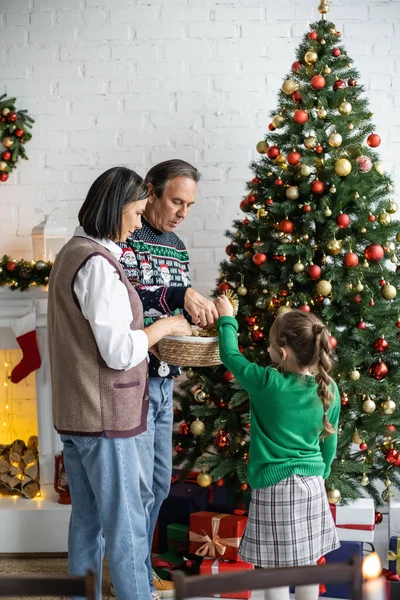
{"x": 98, "y": 353}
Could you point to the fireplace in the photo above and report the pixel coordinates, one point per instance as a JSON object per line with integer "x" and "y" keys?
{"x": 37, "y": 524}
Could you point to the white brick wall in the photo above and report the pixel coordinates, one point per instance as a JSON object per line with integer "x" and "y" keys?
{"x": 134, "y": 82}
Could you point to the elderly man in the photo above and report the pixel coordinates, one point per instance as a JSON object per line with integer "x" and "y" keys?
{"x": 155, "y": 256}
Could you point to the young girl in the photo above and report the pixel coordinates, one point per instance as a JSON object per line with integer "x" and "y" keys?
{"x": 294, "y": 419}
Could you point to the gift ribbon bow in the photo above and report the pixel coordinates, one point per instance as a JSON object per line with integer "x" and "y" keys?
{"x": 389, "y": 575}
{"x": 214, "y": 543}
{"x": 163, "y": 564}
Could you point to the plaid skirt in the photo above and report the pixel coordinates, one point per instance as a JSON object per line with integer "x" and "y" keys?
{"x": 290, "y": 524}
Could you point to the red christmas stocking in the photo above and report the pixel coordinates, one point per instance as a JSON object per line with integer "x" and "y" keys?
{"x": 25, "y": 331}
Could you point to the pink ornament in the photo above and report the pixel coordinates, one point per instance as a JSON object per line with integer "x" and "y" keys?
{"x": 364, "y": 163}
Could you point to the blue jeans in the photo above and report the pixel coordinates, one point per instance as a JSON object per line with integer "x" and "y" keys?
{"x": 107, "y": 511}
{"x": 154, "y": 451}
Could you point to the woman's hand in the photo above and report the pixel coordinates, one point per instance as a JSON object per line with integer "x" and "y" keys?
{"x": 224, "y": 307}
{"x": 177, "y": 326}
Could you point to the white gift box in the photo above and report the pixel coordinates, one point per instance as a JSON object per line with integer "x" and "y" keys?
{"x": 394, "y": 518}
{"x": 355, "y": 522}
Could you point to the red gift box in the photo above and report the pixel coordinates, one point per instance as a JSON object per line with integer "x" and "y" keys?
{"x": 216, "y": 535}
{"x": 212, "y": 567}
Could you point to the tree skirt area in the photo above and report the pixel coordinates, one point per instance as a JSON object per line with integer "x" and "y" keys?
{"x": 21, "y": 565}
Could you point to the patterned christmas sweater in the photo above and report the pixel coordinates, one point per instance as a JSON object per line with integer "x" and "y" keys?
{"x": 157, "y": 262}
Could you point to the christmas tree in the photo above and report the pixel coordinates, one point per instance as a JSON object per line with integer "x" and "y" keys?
{"x": 318, "y": 235}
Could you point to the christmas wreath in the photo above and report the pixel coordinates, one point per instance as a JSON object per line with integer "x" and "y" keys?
{"x": 14, "y": 128}
{"x": 22, "y": 274}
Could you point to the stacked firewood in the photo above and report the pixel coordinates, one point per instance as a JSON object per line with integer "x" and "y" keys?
{"x": 19, "y": 467}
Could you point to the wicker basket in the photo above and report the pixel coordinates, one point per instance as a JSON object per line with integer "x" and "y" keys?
{"x": 189, "y": 351}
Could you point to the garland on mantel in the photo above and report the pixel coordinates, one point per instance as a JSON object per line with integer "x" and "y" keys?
{"x": 22, "y": 274}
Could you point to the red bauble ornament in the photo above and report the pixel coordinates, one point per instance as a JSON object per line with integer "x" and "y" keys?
{"x": 178, "y": 449}
{"x": 19, "y": 133}
{"x": 336, "y": 52}
{"x": 245, "y": 221}
{"x": 296, "y": 66}
{"x": 382, "y": 282}
{"x": 319, "y": 149}
{"x": 258, "y": 244}
{"x": 318, "y": 82}
{"x": 279, "y": 257}
{"x": 373, "y": 140}
{"x": 269, "y": 202}
{"x": 371, "y": 218}
{"x": 220, "y": 483}
{"x": 381, "y": 345}
{"x": 374, "y": 253}
{"x": 244, "y": 486}
{"x": 391, "y": 428}
{"x": 10, "y": 266}
{"x": 350, "y": 259}
{"x": 273, "y": 152}
{"x": 352, "y": 82}
{"x": 286, "y": 226}
{"x": 257, "y": 335}
{"x": 344, "y": 399}
{"x": 343, "y": 221}
{"x": 259, "y": 258}
{"x": 12, "y": 117}
{"x": 357, "y": 299}
{"x": 371, "y": 302}
{"x": 300, "y": 117}
{"x": 251, "y": 198}
{"x": 332, "y": 341}
{"x": 6, "y": 155}
{"x": 224, "y": 286}
{"x": 3, "y": 176}
{"x": 255, "y": 180}
{"x": 378, "y": 370}
{"x": 339, "y": 84}
{"x": 233, "y": 258}
{"x": 362, "y": 325}
{"x": 278, "y": 181}
{"x": 221, "y": 440}
{"x": 184, "y": 429}
{"x": 231, "y": 249}
{"x": 313, "y": 35}
{"x": 398, "y": 324}
{"x": 314, "y": 272}
{"x": 248, "y": 245}
{"x": 307, "y": 208}
{"x": 293, "y": 158}
{"x": 296, "y": 96}
{"x": 363, "y": 446}
{"x": 228, "y": 376}
{"x": 245, "y": 205}
{"x": 271, "y": 127}
{"x": 317, "y": 187}
{"x": 392, "y": 455}
{"x": 305, "y": 308}
{"x": 251, "y": 320}
{"x": 378, "y": 518}
{"x": 247, "y": 426}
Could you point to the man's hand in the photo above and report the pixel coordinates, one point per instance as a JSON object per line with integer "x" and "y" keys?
{"x": 202, "y": 310}
{"x": 224, "y": 307}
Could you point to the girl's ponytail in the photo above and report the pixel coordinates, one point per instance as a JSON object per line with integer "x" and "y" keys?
{"x": 324, "y": 365}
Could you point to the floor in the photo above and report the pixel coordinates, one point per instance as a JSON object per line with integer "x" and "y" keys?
{"x": 381, "y": 546}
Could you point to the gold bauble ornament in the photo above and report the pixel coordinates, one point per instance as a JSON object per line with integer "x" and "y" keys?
{"x": 289, "y": 86}
{"x": 242, "y": 290}
{"x": 311, "y": 57}
{"x": 365, "y": 264}
{"x": 391, "y": 246}
{"x": 335, "y": 140}
{"x": 363, "y": 230}
{"x": 356, "y": 438}
{"x": 189, "y": 373}
{"x": 311, "y": 142}
{"x": 7, "y": 142}
{"x": 334, "y": 246}
{"x": 354, "y": 375}
{"x": 389, "y": 187}
{"x": 369, "y": 406}
{"x": 321, "y": 112}
{"x": 324, "y": 7}
{"x": 388, "y": 406}
{"x": 388, "y": 483}
{"x": 3, "y": 165}
{"x": 391, "y": 209}
{"x": 5, "y": 112}
{"x": 343, "y": 167}
{"x": 393, "y": 259}
{"x": 384, "y": 219}
{"x": 364, "y": 481}
{"x": 322, "y": 42}
{"x": 278, "y": 121}
{"x": 305, "y": 237}
{"x": 351, "y": 126}
{"x": 379, "y": 168}
{"x": 298, "y": 267}
{"x": 197, "y": 427}
{"x": 388, "y": 292}
{"x": 199, "y": 395}
{"x": 334, "y": 496}
{"x": 262, "y": 147}
{"x": 305, "y": 170}
{"x": 281, "y": 159}
{"x": 292, "y": 192}
{"x": 283, "y": 309}
{"x": 204, "y": 480}
{"x": 327, "y": 70}
{"x": 323, "y": 287}
{"x": 345, "y": 108}
{"x": 387, "y": 494}
{"x": 327, "y": 212}
{"x": 359, "y": 287}
{"x": 398, "y": 237}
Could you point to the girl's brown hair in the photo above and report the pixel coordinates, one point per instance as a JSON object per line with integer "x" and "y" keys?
{"x": 308, "y": 339}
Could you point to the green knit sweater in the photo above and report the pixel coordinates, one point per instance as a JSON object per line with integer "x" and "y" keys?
{"x": 286, "y": 417}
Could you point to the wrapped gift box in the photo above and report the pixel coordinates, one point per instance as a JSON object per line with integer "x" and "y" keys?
{"x": 178, "y": 538}
{"x": 216, "y": 535}
{"x": 394, "y": 554}
{"x": 355, "y": 522}
{"x": 211, "y": 566}
{"x": 394, "y": 518}
{"x": 165, "y": 564}
{"x": 392, "y": 585}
